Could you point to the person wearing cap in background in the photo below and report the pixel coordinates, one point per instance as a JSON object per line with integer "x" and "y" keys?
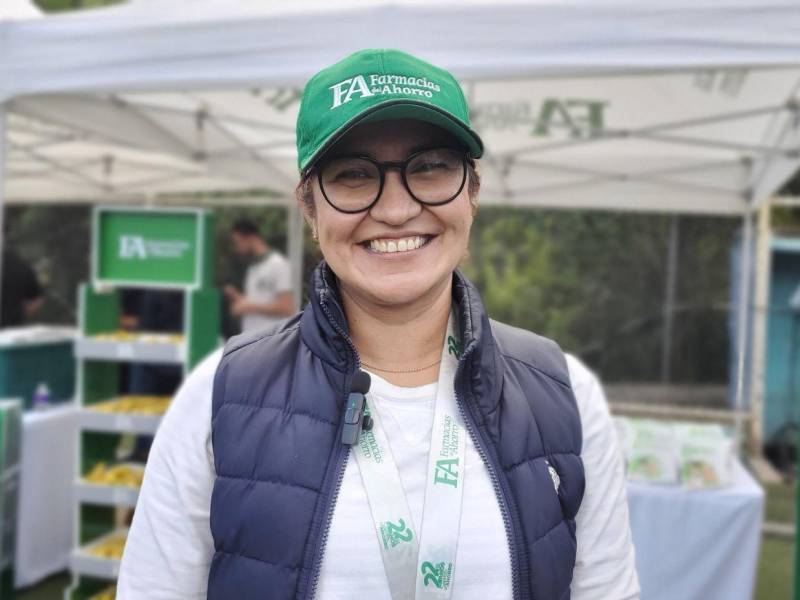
{"x": 389, "y": 441}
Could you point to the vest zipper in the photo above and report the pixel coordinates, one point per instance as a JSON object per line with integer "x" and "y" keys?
{"x": 502, "y": 494}
{"x": 343, "y": 453}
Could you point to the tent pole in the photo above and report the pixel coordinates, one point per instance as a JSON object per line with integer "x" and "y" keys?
{"x": 743, "y": 321}
{"x": 2, "y": 189}
{"x": 294, "y": 230}
{"x": 763, "y": 268}
{"x": 669, "y": 301}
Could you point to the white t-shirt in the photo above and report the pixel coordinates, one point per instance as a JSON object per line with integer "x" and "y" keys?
{"x": 263, "y": 282}
{"x": 169, "y": 548}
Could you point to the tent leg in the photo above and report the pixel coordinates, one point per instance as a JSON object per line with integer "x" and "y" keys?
{"x": 743, "y": 325}
{"x": 669, "y": 301}
{"x": 763, "y": 268}
{"x": 294, "y": 229}
{"x": 2, "y": 189}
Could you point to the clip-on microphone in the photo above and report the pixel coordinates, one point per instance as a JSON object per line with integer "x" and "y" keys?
{"x": 354, "y": 418}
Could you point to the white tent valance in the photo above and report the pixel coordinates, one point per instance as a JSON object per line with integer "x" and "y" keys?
{"x": 180, "y": 44}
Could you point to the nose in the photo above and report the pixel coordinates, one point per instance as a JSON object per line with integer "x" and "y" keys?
{"x": 395, "y": 205}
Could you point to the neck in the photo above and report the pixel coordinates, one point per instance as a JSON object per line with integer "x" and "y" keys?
{"x": 401, "y": 338}
{"x": 260, "y": 248}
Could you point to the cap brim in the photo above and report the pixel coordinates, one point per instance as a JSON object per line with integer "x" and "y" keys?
{"x": 406, "y": 109}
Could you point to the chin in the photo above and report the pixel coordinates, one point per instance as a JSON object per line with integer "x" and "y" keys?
{"x": 402, "y": 290}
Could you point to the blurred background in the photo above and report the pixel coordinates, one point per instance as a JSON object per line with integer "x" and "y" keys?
{"x": 649, "y": 296}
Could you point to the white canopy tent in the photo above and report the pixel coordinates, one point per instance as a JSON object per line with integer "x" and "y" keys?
{"x": 683, "y": 107}
{"x": 626, "y": 105}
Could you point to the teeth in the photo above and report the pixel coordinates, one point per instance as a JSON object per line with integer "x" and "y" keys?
{"x": 391, "y": 246}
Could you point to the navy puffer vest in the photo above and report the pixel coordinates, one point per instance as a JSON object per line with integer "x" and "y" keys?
{"x": 276, "y": 425}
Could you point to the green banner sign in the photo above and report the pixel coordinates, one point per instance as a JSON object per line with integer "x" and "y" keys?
{"x": 150, "y": 247}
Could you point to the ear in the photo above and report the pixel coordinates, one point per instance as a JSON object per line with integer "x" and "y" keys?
{"x": 304, "y": 196}
{"x": 309, "y": 216}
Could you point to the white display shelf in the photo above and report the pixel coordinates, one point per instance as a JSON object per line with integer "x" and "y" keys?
{"x": 84, "y": 563}
{"x": 106, "y": 495}
{"x": 116, "y": 422}
{"x": 89, "y": 348}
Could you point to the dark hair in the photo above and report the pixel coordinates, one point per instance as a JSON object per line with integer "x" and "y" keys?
{"x": 245, "y": 227}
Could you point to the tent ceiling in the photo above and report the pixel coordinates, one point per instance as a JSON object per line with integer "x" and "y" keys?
{"x": 607, "y": 104}
{"x": 695, "y": 138}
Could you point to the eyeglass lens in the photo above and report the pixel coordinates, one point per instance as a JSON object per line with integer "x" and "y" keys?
{"x": 352, "y": 184}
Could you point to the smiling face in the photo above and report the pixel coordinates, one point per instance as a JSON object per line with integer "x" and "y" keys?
{"x": 399, "y": 252}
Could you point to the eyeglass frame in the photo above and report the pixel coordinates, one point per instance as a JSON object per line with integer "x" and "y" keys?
{"x": 400, "y": 165}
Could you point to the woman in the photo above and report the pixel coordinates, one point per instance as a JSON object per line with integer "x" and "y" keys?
{"x": 460, "y": 473}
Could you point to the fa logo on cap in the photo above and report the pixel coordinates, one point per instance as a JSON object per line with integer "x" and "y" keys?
{"x": 343, "y": 90}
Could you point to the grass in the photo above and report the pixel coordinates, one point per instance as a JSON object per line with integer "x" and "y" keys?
{"x": 774, "y": 579}
{"x": 51, "y": 588}
{"x": 780, "y": 503}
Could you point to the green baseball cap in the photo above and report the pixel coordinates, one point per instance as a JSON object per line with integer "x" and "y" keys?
{"x": 379, "y": 85}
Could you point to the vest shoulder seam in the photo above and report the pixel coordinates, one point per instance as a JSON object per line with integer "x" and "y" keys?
{"x": 292, "y": 568}
{"x": 550, "y": 530}
{"x": 273, "y": 480}
{"x": 537, "y": 369}
{"x": 565, "y": 520}
{"x": 265, "y": 336}
{"x": 279, "y": 409}
{"x": 525, "y": 461}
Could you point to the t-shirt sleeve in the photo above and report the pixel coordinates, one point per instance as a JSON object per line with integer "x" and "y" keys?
{"x": 282, "y": 276}
{"x": 605, "y": 565}
{"x": 169, "y": 547}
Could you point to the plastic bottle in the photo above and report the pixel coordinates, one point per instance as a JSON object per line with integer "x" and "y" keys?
{"x": 41, "y": 397}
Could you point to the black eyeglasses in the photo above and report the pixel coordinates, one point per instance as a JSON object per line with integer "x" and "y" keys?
{"x": 353, "y": 184}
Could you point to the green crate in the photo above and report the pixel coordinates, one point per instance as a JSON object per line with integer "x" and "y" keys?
{"x": 24, "y": 366}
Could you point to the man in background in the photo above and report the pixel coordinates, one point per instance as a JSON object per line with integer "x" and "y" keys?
{"x": 267, "y": 296}
{"x": 22, "y": 294}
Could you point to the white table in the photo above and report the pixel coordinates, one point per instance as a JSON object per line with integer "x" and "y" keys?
{"x": 45, "y": 517}
{"x": 697, "y": 544}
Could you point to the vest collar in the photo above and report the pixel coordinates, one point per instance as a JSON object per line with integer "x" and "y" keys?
{"x": 325, "y": 332}
{"x": 323, "y": 325}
